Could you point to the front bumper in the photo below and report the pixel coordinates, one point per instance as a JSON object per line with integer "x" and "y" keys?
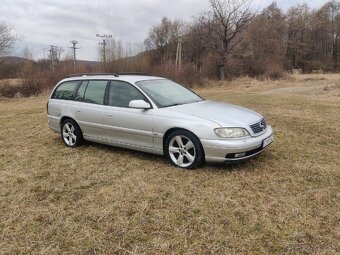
{"x": 219, "y": 151}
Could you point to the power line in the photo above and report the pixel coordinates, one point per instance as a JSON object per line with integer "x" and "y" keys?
{"x": 39, "y": 52}
{"x": 101, "y": 15}
{"x": 108, "y": 14}
{"x": 91, "y": 16}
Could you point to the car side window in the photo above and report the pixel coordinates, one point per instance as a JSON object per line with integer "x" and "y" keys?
{"x": 79, "y": 96}
{"x": 65, "y": 90}
{"x": 95, "y": 92}
{"x": 121, "y": 93}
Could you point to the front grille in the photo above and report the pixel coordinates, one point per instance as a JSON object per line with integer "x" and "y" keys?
{"x": 259, "y": 126}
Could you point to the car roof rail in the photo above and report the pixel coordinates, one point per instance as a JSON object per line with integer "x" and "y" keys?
{"x": 91, "y": 74}
{"x": 134, "y": 73}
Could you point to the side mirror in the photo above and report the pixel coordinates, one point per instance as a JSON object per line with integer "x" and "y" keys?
{"x": 139, "y": 104}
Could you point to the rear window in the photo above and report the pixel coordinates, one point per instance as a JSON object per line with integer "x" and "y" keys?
{"x": 65, "y": 90}
{"x": 95, "y": 92}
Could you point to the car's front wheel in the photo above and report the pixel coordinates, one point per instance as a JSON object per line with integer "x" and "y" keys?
{"x": 183, "y": 149}
{"x": 71, "y": 133}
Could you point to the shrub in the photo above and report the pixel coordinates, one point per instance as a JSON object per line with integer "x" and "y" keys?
{"x": 187, "y": 75}
{"x": 37, "y": 79}
{"x": 274, "y": 71}
{"x": 9, "y": 90}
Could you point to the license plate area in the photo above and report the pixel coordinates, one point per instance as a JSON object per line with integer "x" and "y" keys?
{"x": 267, "y": 141}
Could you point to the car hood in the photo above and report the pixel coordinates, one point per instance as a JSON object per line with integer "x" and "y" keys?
{"x": 226, "y": 115}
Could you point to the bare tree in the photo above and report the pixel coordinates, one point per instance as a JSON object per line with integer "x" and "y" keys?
{"x": 115, "y": 49}
{"x": 299, "y": 22}
{"x": 331, "y": 13}
{"x": 163, "y": 38}
{"x": 7, "y": 38}
{"x": 195, "y": 43}
{"x": 225, "y": 22}
{"x": 264, "y": 44}
{"x": 26, "y": 53}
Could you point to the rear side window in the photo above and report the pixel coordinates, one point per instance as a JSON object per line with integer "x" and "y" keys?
{"x": 81, "y": 91}
{"x": 65, "y": 90}
{"x": 95, "y": 92}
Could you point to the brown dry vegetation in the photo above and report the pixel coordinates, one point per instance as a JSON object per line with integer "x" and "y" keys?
{"x": 103, "y": 200}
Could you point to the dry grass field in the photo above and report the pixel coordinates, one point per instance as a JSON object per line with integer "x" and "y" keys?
{"x": 103, "y": 200}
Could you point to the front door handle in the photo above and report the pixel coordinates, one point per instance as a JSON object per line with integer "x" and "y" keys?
{"x": 76, "y": 110}
{"x": 109, "y": 115}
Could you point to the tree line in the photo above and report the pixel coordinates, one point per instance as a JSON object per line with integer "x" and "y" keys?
{"x": 230, "y": 39}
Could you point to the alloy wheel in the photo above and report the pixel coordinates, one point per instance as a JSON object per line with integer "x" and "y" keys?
{"x": 182, "y": 151}
{"x": 69, "y": 135}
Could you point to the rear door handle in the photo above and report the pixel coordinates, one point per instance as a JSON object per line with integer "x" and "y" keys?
{"x": 76, "y": 110}
{"x": 109, "y": 115}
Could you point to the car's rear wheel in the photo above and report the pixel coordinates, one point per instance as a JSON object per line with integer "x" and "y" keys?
{"x": 71, "y": 133}
{"x": 183, "y": 149}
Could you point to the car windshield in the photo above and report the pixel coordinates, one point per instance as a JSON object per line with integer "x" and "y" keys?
{"x": 166, "y": 93}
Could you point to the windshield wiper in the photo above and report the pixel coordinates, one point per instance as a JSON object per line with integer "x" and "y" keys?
{"x": 172, "y": 105}
{"x": 183, "y": 103}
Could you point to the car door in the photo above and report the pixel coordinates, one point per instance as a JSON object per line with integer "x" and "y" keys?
{"x": 126, "y": 125}
{"x": 89, "y": 108}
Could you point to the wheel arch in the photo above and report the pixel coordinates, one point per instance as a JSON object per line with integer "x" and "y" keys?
{"x": 81, "y": 136}
{"x": 67, "y": 117}
{"x": 173, "y": 129}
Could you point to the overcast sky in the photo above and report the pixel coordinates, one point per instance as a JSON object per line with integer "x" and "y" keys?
{"x": 41, "y": 23}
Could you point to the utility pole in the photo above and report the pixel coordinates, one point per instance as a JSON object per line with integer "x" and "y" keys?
{"x": 104, "y": 38}
{"x": 55, "y": 53}
{"x": 52, "y": 56}
{"x": 179, "y": 53}
{"x": 74, "y": 47}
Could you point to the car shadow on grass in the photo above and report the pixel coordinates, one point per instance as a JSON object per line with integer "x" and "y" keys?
{"x": 149, "y": 157}
{"x": 233, "y": 166}
{"x": 123, "y": 151}
{"x": 144, "y": 156}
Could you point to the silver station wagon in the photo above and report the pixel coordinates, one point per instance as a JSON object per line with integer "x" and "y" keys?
{"x": 152, "y": 114}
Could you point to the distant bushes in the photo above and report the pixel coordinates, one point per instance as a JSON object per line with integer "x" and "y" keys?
{"x": 187, "y": 75}
{"x": 9, "y": 67}
{"x": 37, "y": 77}
{"x": 9, "y": 90}
{"x": 34, "y": 79}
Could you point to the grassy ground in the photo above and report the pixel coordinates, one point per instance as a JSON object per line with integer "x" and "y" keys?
{"x": 103, "y": 200}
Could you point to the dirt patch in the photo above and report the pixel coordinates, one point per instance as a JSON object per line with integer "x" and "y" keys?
{"x": 315, "y": 79}
{"x": 294, "y": 90}
{"x": 331, "y": 87}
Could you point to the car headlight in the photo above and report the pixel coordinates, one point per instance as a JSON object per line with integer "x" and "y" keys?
{"x": 231, "y": 132}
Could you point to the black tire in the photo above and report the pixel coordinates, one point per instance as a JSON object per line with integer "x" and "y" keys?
{"x": 196, "y": 150}
{"x": 77, "y": 140}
